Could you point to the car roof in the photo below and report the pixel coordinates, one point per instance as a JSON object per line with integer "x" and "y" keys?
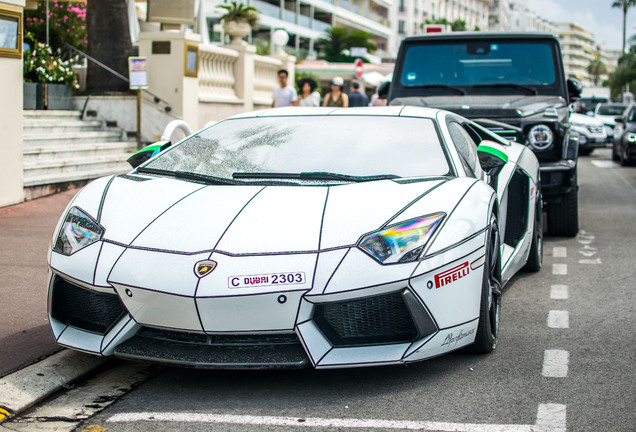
{"x": 487, "y": 35}
{"x": 386, "y": 111}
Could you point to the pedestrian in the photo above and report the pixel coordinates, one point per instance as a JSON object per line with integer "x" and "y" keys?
{"x": 336, "y": 98}
{"x": 284, "y": 95}
{"x": 356, "y": 97}
{"x": 308, "y": 96}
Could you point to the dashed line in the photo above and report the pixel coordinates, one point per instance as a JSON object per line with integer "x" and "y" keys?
{"x": 550, "y": 418}
{"x": 560, "y": 269}
{"x": 559, "y": 292}
{"x": 555, "y": 363}
{"x": 559, "y": 319}
{"x": 559, "y": 252}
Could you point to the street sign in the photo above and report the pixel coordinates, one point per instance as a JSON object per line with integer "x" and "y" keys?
{"x": 358, "y": 68}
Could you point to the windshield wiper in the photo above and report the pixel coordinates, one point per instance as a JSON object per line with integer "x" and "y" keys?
{"x": 529, "y": 90}
{"x": 190, "y": 176}
{"x": 457, "y": 90}
{"x": 313, "y": 176}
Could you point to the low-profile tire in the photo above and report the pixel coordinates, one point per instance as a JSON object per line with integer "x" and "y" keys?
{"x": 490, "y": 305}
{"x": 615, "y": 156}
{"x": 535, "y": 258}
{"x": 563, "y": 217}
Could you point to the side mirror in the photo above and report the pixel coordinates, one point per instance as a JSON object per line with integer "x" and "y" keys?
{"x": 619, "y": 120}
{"x": 492, "y": 158}
{"x": 383, "y": 90}
{"x": 147, "y": 152}
{"x": 575, "y": 88}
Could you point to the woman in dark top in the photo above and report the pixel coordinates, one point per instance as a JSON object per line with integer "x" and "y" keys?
{"x": 336, "y": 98}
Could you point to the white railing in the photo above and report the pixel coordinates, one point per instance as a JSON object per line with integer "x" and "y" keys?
{"x": 265, "y": 69}
{"x": 216, "y": 74}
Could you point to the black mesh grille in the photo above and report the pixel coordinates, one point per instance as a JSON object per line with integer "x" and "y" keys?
{"x": 85, "y": 309}
{"x": 368, "y": 321}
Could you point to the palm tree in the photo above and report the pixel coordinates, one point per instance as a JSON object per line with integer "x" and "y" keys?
{"x": 340, "y": 39}
{"x": 596, "y": 68}
{"x": 108, "y": 42}
{"x": 625, "y": 5}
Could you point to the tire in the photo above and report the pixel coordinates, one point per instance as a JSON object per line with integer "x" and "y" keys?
{"x": 490, "y": 304}
{"x": 535, "y": 258}
{"x": 624, "y": 159}
{"x": 586, "y": 152}
{"x": 615, "y": 156}
{"x": 563, "y": 217}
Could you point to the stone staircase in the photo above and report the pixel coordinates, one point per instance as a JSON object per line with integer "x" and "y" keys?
{"x": 62, "y": 149}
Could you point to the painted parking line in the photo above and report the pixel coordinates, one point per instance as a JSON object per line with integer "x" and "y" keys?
{"x": 550, "y": 418}
{"x": 605, "y": 164}
{"x": 555, "y": 363}
{"x": 559, "y": 252}
{"x": 558, "y": 319}
{"x": 559, "y": 292}
{"x": 560, "y": 269}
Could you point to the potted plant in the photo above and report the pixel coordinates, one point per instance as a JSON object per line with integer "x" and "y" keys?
{"x": 239, "y": 20}
{"x": 48, "y": 77}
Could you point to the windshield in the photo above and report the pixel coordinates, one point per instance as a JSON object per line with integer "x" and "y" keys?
{"x": 480, "y": 63}
{"x": 611, "y": 110}
{"x": 363, "y": 146}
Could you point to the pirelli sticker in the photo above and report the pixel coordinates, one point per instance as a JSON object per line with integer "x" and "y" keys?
{"x": 449, "y": 276}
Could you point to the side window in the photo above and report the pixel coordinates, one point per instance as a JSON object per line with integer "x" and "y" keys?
{"x": 467, "y": 149}
{"x": 632, "y": 115}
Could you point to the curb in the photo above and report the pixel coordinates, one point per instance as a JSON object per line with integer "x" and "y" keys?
{"x": 26, "y": 387}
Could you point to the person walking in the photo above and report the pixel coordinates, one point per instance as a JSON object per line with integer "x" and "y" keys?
{"x": 336, "y": 98}
{"x": 308, "y": 96}
{"x": 356, "y": 97}
{"x": 284, "y": 95}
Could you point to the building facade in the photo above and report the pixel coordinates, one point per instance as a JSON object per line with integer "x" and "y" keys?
{"x": 578, "y": 48}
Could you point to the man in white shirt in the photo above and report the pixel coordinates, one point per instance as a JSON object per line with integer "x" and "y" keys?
{"x": 284, "y": 95}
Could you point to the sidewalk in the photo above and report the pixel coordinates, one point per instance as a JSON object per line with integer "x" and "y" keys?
{"x": 25, "y": 235}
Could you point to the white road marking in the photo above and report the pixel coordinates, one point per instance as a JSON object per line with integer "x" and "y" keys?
{"x": 558, "y": 319}
{"x": 559, "y": 292}
{"x": 559, "y": 252}
{"x": 591, "y": 261}
{"x": 550, "y": 418}
{"x": 555, "y": 363}
{"x": 605, "y": 164}
{"x": 560, "y": 269}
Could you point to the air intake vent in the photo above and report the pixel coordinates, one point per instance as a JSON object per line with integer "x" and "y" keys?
{"x": 83, "y": 308}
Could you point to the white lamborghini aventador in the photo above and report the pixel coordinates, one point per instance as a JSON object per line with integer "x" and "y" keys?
{"x": 300, "y": 237}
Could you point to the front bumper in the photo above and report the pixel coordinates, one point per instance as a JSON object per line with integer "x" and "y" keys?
{"x": 557, "y": 179}
{"x": 401, "y": 320}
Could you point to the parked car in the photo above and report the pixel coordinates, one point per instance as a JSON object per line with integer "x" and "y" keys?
{"x": 624, "y": 146}
{"x": 586, "y": 104}
{"x": 299, "y": 237}
{"x": 512, "y": 83}
{"x": 607, "y": 113}
{"x": 591, "y": 132}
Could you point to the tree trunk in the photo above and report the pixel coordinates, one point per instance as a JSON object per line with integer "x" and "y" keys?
{"x": 109, "y": 43}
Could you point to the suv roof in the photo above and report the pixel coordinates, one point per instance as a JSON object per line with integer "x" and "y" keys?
{"x": 483, "y": 35}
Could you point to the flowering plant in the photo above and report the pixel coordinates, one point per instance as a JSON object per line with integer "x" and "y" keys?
{"x": 41, "y": 65}
{"x": 67, "y": 23}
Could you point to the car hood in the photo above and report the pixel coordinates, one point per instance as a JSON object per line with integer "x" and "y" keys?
{"x": 584, "y": 120}
{"x": 495, "y": 107}
{"x": 173, "y": 215}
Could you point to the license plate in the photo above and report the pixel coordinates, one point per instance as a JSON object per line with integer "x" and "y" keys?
{"x": 271, "y": 279}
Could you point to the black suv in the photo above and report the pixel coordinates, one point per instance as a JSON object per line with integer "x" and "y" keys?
{"x": 511, "y": 83}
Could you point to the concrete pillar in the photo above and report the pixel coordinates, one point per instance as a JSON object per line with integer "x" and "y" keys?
{"x": 11, "y": 170}
{"x": 166, "y": 66}
{"x": 244, "y": 73}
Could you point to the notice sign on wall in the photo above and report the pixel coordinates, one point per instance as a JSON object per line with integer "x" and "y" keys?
{"x": 137, "y": 73}
{"x": 171, "y": 11}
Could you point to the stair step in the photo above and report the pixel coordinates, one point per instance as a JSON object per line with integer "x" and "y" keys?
{"x": 39, "y": 180}
{"x": 40, "y": 139}
{"x": 59, "y": 152}
{"x": 33, "y": 126}
{"x": 30, "y": 114}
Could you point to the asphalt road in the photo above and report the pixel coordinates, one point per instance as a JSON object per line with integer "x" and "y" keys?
{"x": 563, "y": 362}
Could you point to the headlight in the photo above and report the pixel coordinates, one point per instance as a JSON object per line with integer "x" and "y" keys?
{"x": 631, "y": 137}
{"x": 402, "y": 242}
{"x": 540, "y": 137}
{"x": 78, "y": 231}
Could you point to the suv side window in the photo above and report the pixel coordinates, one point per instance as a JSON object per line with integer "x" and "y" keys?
{"x": 632, "y": 115}
{"x": 466, "y": 148}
